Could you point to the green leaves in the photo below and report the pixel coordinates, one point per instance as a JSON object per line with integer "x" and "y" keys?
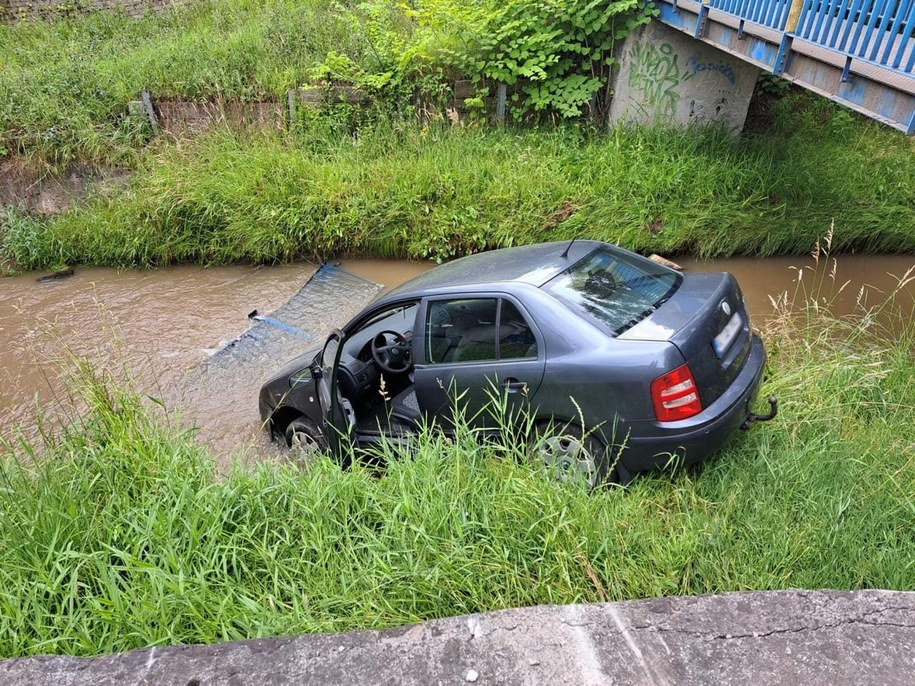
{"x": 556, "y": 51}
{"x": 65, "y": 84}
{"x": 557, "y": 54}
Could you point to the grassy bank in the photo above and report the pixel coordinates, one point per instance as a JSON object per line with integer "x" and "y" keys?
{"x": 398, "y": 190}
{"x": 121, "y": 537}
{"x": 373, "y": 181}
{"x": 65, "y": 85}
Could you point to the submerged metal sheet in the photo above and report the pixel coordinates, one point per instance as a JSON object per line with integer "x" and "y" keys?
{"x": 327, "y": 301}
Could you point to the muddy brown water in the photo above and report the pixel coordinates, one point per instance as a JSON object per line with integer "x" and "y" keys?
{"x": 161, "y": 328}
{"x": 763, "y": 279}
{"x": 158, "y": 329}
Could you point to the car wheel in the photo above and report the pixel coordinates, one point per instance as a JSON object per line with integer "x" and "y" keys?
{"x": 569, "y": 454}
{"x": 304, "y": 439}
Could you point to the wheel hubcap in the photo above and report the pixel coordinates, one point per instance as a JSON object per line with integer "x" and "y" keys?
{"x": 568, "y": 459}
{"x": 304, "y": 444}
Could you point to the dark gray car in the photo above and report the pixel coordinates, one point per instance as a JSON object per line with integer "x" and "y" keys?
{"x": 623, "y": 364}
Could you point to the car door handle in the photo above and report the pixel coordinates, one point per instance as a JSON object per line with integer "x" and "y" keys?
{"x": 512, "y": 385}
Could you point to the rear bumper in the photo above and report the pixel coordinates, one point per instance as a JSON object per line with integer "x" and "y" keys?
{"x": 652, "y": 444}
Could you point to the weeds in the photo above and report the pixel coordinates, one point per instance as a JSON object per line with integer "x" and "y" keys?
{"x": 65, "y": 85}
{"x": 117, "y": 535}
{"x": 400, "y": 190}
{"x": 374, "y": 181}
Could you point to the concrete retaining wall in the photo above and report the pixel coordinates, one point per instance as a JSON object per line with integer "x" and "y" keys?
{"x": 181, "y": 117}
{"x": 668, "y": 77}
{"x": 787, "y": 637}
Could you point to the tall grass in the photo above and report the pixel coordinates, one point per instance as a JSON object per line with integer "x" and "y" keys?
{"x": 117, "y": 534}
{"x": 396, "y": 189}
{"x": 65, "y": 85}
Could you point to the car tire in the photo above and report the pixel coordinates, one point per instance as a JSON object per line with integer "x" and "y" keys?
{"x": 304, "y": 439}
{"x": 570, "y": 454}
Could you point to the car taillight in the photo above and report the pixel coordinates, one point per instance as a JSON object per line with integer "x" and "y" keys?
{"x": 675, "y": 395}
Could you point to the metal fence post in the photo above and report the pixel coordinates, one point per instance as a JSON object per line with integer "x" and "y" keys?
{"x": 290, "y": 108}
{"x": 150, "y": 112}
{"x": 500, "y": 102}
{"x": 794, "y": 15}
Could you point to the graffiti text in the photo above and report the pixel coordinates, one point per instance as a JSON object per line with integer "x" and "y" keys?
{"x": 655, "y": 75}
{"x": 726, "y": 70}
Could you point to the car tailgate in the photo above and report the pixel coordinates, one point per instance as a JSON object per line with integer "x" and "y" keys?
{"x": 706, "y": 319}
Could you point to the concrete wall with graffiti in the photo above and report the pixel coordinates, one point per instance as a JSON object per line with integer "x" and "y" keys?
{"x": 668, "y": 77}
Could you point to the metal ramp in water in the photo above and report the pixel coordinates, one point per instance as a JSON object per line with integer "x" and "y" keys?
{"x": 328, "y": 300}
{"x": 220, "y": 396}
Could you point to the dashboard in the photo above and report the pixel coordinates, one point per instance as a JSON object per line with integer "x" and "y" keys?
{"x": 358, "y": 375}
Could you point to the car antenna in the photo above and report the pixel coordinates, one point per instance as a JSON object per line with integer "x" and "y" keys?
{"x": 565, "y": 253}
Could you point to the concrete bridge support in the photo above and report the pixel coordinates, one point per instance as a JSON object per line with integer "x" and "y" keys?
{"x": 667, "y": 77}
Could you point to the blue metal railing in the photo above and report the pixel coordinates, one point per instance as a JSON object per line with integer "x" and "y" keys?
{"x": 770, "y": 13}
{"x": 876, "y": 31}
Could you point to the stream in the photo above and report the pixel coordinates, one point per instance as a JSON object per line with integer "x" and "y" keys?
{"x": 164, "y": 330}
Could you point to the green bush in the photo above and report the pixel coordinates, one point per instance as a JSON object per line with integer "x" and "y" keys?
{"x": 557, "y": 52}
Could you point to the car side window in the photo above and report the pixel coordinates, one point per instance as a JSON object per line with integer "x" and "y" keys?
{"x": 461, "y": 330}
{"x": 516, "y": 340}
{"x": 466, "y": 330}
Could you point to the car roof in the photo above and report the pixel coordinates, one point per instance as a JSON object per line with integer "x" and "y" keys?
{"x": 529, "y": 264}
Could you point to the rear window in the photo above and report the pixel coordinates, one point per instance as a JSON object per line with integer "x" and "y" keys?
{"x": 614, "y": 290}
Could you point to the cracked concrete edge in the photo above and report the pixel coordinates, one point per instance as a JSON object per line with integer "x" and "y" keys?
{"x": 780, "y": 637}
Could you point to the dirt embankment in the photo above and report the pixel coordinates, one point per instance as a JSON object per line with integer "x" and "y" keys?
{"x": 43, "y": 193}
{"x": 39, "y": 192}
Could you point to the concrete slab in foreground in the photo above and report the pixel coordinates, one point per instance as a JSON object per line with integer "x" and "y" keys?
{"x": 787, "y": 637}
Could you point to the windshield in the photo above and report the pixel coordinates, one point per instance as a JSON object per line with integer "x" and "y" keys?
{"x": 614, "y": 290}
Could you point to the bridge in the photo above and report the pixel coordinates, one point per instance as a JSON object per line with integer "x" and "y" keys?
{"x": 860, "y": 53}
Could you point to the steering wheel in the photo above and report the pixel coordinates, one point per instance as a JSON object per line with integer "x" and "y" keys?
{"x": 393, "y": 358}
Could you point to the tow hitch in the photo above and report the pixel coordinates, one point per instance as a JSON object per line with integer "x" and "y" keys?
{"x": 773, "y": 410}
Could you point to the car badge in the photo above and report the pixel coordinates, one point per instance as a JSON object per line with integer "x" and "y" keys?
{"x": 725, "y": 307}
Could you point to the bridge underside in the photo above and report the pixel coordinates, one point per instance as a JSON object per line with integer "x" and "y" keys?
{"x": 665, "y": 77}
{"x": 870, "y": 86}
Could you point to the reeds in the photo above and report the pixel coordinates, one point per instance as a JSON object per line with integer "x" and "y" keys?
{"x": 116, "y": 534}
{"x": 396, "y": 189}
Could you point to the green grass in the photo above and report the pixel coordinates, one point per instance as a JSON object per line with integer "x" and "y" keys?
{"x": 118, "y": 535}
{"x": 65, "y": 85}
{"x": 365, "y": 181}
{"x": 395, "y": 189}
